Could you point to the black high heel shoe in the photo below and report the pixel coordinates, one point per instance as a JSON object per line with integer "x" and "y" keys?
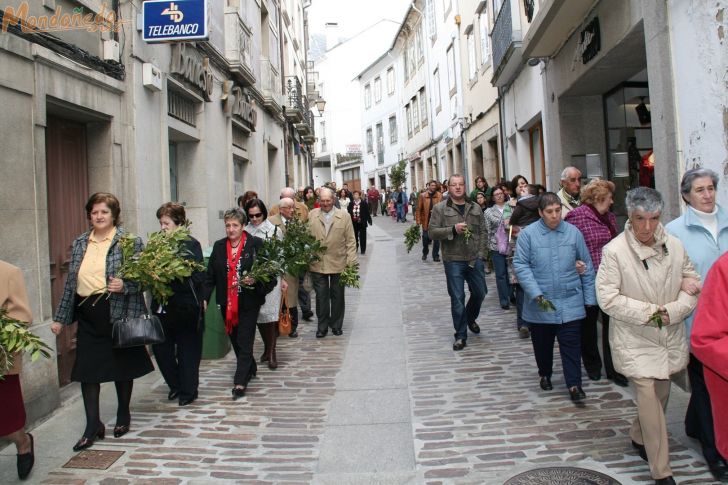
{"x": 238, "y": 392}
{"x": 120, "y": 431}
{"x": 84, "y": 442}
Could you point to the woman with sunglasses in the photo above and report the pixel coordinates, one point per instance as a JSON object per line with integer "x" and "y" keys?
{"x": 260, "y": 226}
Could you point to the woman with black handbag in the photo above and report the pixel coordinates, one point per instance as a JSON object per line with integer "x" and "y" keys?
{"x": 178, "y": 357}
{"x": 238, "y": 296}
{"x": 95, "y": 297}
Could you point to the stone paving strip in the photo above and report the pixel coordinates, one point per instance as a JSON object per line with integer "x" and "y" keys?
{"x": 479, "y": 415}
{"x": 270, "y": 436}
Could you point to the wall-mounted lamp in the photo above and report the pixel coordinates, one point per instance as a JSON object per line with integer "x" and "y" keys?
{"x": 320, "y": 104}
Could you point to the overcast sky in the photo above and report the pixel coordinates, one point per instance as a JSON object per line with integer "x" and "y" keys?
{"x": 353, "y": 16}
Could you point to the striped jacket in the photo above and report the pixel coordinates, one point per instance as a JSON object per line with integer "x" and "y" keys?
{"x": 134, "y": 305}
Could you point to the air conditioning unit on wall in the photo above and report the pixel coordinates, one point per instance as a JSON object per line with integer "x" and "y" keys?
{"x": 111, "y": 50}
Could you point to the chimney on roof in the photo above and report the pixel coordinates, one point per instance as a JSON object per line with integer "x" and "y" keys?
{"x": 332, "y": 34}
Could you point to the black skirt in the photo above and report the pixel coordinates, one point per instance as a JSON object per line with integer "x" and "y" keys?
{"x": 96, "y": 359}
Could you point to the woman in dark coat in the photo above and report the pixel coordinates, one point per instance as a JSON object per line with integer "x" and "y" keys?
{"x": 95, "y": 297}
{"x": 178, "y": 357}
{"x": 231, "y": 257}
{"x": 360, "y": 217}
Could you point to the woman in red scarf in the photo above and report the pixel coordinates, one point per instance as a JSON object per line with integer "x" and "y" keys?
{"x": 599, "y": 226}
{"x": 231, "y": 257}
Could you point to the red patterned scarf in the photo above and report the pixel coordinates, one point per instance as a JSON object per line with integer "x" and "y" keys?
{"x": 231, "y": 312}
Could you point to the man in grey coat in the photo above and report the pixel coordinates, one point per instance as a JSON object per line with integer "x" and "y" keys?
{"x": 460, "y": 226}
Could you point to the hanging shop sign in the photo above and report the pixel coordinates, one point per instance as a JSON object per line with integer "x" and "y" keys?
{"x": 590, "y": 42}
{"x": 180, "y": 20}
{"x": 189, "y": 64}
{"x": 239, "y": 104}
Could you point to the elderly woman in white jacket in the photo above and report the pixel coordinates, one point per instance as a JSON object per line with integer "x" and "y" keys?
{"x": 261, "y": 227}
{"x": 640, "y": 285}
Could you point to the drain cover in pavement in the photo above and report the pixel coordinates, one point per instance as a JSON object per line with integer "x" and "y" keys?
{"x": 94, "y": 459}
{"x": 561, "y": 475}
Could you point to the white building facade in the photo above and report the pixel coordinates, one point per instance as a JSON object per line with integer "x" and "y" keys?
{"x": 381, "y": 119}
{"x": 338, "y": 131}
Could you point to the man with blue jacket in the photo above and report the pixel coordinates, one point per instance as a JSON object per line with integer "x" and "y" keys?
{"x": 555, "y": 293}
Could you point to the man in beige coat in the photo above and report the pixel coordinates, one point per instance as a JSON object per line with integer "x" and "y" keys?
{"x": 14, "y": 299}
{"x": 333, "y": 227}
{"x": 285, "y": 213}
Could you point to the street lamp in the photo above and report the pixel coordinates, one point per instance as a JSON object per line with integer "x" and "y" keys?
{"x": 320, "y": 104}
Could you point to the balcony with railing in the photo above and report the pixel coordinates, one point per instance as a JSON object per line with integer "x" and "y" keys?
{"x": 305, "y": 127}
{"x": 238, "y": 45}
{"x": 295, "y": 105}
{"x": 506, "y": 42}
{"x": 270, "y": 86}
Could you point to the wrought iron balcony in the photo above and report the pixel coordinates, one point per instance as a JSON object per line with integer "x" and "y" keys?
{"x": 238, "y": 44}
{"x": 295, "y": 102}
{"x": 270, "y": 85}
{"x": 506, "y": 44}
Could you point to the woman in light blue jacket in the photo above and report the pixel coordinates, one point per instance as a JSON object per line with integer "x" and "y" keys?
{"x": 703, "y": 230}
{"x": 555, "y": 294}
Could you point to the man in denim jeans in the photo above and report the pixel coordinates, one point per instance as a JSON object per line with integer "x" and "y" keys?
{"x": 426, "y": 202}
{"x": 459, "y": 224}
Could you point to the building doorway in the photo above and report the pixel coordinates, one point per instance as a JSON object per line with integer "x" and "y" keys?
{"x": 67, "y": 182}
{"x": 538, "y": 166}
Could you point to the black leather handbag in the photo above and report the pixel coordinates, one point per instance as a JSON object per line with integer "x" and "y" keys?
{"x": 146, "y": 329}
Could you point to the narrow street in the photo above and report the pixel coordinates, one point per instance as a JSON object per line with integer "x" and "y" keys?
{"x": 389, "y": 402}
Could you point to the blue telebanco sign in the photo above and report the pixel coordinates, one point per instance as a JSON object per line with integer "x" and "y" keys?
{"x": 170, "y": 20}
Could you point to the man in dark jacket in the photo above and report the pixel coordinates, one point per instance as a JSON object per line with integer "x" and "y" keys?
{"x": 460, "y": 226}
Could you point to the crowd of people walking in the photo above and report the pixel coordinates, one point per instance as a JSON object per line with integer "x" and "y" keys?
{"x": 559, "y": 257}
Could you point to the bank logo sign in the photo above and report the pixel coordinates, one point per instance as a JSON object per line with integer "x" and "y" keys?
{"x": 167, "y": 20}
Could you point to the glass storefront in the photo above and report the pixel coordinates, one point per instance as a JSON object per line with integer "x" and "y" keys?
{"x": 630, "y": 160}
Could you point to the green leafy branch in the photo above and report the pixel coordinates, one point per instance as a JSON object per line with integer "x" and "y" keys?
{"x": 412, "y": 236}
{"x": 656, "y": 319}
{"x": 350, "y": 276}
{"x": 300, "y": 248}
{"x": 545, "y": 305}
{"x": 163, "y": 260}
{"x": 15, "y": 337}
{"x": 467, "y": 234}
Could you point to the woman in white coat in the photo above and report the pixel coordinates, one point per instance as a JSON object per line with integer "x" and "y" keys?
{"x": 640, "y": 285}
{"x": 261, "y": 227}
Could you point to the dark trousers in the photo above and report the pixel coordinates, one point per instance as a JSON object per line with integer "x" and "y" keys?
{"x": 542, "y": 338}
{"x": 500, "y": 265}
{"x": 294, "y": 318}
{"x": 607, "y": 349}
{"x": 374, "y": 206}
{"x": 426, "y": 246}
{"x": 178, "y": 357}
{"x": 520, "y": 298}
{"x": 699, "y": 416}
{"x": 330, "y": 304}
{"x": 589, "y": 341}
{"x": 242, "y": 338}
{"x": 360, "y": 234}
{"x": 304, "y": 299}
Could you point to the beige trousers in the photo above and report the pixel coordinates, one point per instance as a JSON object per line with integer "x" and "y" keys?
{"x": 649, "y": 427}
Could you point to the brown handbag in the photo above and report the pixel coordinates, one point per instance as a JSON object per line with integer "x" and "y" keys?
{"x": 284, "y": 318}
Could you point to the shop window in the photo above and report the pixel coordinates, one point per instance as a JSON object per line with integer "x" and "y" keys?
{"x": 538, "y": 166}
{"x": 173, "y": 173}
{"x": 630, "y": 160}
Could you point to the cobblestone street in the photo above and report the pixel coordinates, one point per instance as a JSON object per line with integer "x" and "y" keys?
{"x": 388, "y": 402}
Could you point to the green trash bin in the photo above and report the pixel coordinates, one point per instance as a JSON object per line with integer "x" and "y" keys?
{"x": 215, "y": 342}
